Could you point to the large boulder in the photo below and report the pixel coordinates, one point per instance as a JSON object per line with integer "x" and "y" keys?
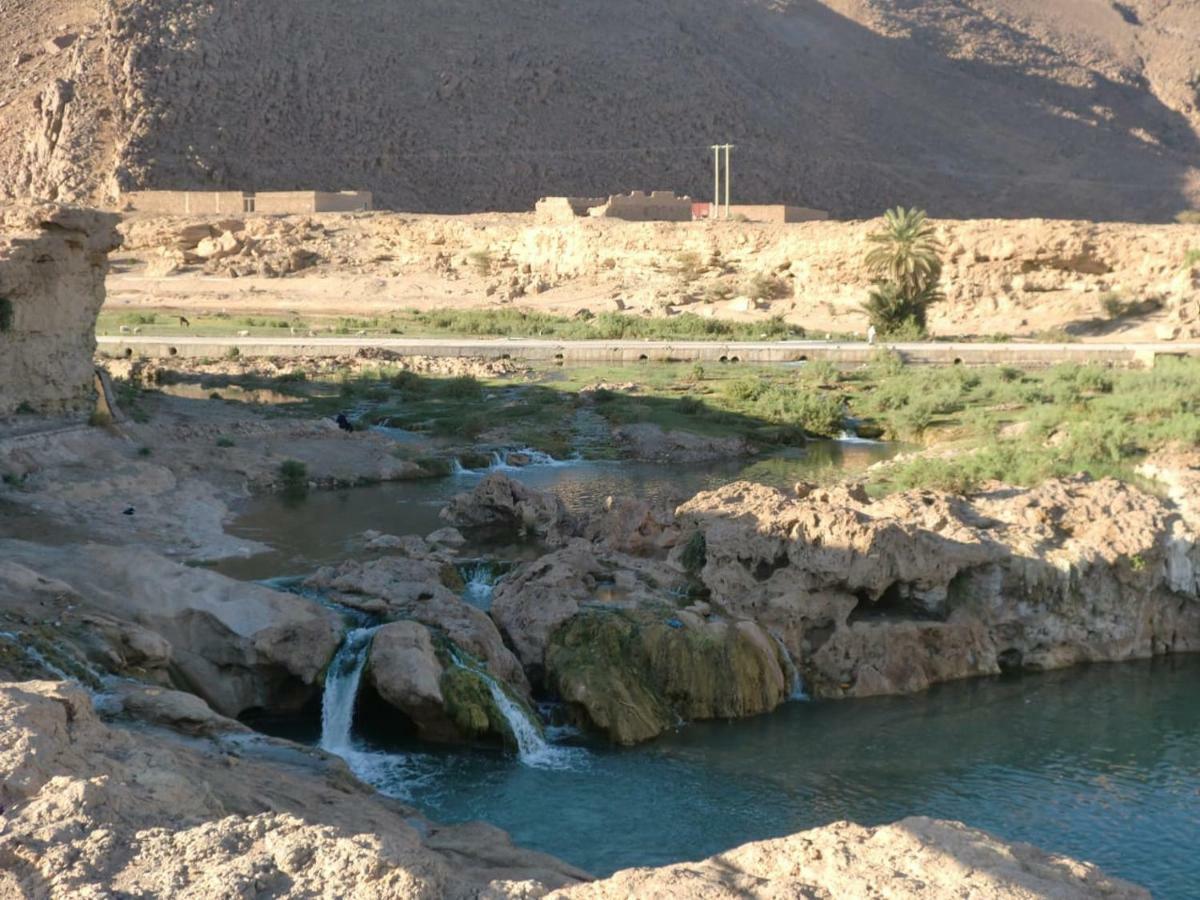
{"x": 635, "y": 673}
{"x": 502, "y": 503}
{"x": 399, "y": 587}
{"x": 240, "y": 646}
{"x": 436, "y": 688}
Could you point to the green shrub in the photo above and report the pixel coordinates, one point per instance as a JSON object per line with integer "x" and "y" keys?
{"x": 6, "y": 314}
{"x": 144, "y": 451}
{"x": 913, "y": 419}
{"x": 748, "y": 387}
{"x": 765, "y": 287}
{"x": 1188, "y": 217}
{"x": 689, "y": 406}
{"x": 688, "y": 266}
{"x": 1113, "y": 306}
{"x": 295, "y": 376}
{"x": 480, "y": 262}
{"x": 1191, "y": 259}
{"x": 225, "y": 442}
{"x": 465, "y": 387}
{"x": 233, "y": 353}
{"x": 695, "y": 553}
{"x": 294, "y": 475}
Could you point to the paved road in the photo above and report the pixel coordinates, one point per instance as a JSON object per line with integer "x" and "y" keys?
{"x": 633, "y": 351}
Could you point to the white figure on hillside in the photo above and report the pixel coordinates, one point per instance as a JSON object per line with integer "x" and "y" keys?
{"x": 871, "y": 334}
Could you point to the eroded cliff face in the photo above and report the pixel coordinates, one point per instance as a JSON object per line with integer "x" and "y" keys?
{"x": 749, "y": 593}
{"x": 53, "y": 261}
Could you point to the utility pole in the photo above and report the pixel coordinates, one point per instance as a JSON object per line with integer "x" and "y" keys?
{"x": 715, "y": 210}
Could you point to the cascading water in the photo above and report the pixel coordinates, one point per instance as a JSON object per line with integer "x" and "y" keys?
{"x": 532, "y": 748}
{"x": 341, "y": 690}
{"x": 480, "y": 583}
{"x": 797, "y": 690}
{"x": 499, "y": 461}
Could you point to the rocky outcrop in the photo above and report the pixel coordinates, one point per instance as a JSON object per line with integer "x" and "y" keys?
{"x": 53, "y": 261}
{"x": 646, "y": 441}
{"x": 634, "y": 674}
{"x": 93, "y": 809}
{"x": 399, "y": 587}
{"x": 89, "y": 610}
{"x": 440, "y": 688}
{"x": 503, "y": 504}
{"x": 897, "y": 594}
{"x": 913, "y": 859}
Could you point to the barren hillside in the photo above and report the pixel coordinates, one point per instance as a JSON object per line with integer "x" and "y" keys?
{"x": 1065, "y": 108}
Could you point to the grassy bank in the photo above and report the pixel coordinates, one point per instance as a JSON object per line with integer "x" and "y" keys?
{"x": 1000, "y": 423}
{"x": 497, "y": 323}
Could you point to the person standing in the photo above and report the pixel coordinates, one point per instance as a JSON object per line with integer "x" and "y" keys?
{"x": 871, "y": 335}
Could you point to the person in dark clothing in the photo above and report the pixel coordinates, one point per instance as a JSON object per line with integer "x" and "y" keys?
{"x": 344, "y": 423}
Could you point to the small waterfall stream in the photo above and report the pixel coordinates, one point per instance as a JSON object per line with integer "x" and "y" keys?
{"x": 341, "y": 690}
{"x": 499, "y": 461}
{"x": 480, "y": 582}
{"x": 341, "y": 693}
{"x": 797, "y": 691}
{"x": 532, "y": 747}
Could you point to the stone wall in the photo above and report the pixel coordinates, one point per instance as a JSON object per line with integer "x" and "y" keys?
{"x": 180, "y": 203}
{"x": 565, "y": 209}
{"x": 53, "y": 261}
{"x": 777, "y": 213}
{"x": 637, "y": 206}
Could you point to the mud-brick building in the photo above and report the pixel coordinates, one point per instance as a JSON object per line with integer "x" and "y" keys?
{"x": 281, "y": 203}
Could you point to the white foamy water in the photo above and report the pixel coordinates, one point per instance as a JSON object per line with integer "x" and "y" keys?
{"x": 480, "y": 585}
{"x": 532, "y": 747}
{"x": 341, "y": 691}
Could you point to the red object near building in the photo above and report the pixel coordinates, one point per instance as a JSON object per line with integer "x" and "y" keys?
{"x": 700, "y": 210}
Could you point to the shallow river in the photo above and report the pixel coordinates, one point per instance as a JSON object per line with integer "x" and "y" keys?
{"x": 1099, "y": 762}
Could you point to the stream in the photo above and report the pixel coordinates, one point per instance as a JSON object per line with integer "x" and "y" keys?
{"x": 1098, "y": 762}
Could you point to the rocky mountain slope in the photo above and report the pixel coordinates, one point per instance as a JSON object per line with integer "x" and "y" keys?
{"x": 1080, "y": 108}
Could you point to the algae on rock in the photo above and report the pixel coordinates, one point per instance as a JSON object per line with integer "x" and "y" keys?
{"x": 636, "y": 673}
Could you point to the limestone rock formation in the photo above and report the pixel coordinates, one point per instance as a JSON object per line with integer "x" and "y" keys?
{"x": 127, "y": 611}
{"x": 634, "y": 674}
{"x": 650, "y": 442}
{"x": 502, "y": 503}
{"x": 920, "y": 587}
{"x": 93, "y": 809}
{"x": 445, "y": 697}
{"x": 53, "y": 260}
{"x": 913, "y": 859}
{"x": 402, "y": 587}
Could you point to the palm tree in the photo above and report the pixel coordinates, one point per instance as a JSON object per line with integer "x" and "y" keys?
{"x": 906, "y": 266}
{"x": 908, "y": 252}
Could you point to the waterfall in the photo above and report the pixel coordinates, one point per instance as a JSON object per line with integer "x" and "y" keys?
{"x": 797, "y": 690}
{"x": 480, "y": 581}
{"x": 341, "y": 690}
{"x": 532, "y": 748}
{"x": 456, "y": 467}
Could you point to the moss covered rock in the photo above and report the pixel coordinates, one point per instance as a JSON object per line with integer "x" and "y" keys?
{"x": 635, "y": 673}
